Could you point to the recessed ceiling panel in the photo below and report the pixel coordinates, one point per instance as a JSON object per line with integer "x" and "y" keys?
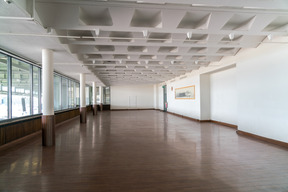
{"x": 168, "y": 50}
{"x": 104, "y": 48}
{"x": 137, "y": 49}
{"x": 279, "y": 24}
{"x": 197, "y": 50}
{"x": 197, "y": 38}
{"x": 95, "y": 16}
{"x": 119, "y": 36}
{"x": 159, "y": 37}
{"x": 146, "y": 18}
{"x": 195, "y": 20}
{"x": 241, "y": 22}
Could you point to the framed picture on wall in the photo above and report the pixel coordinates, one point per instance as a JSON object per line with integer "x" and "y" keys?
{"x": 185, "y": 92}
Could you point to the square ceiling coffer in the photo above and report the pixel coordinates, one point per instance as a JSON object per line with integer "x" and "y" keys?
{"x": 195, "y": 20}
{"x": 280, "y": 24}
{"x": 95, "y": 16}
{"x": 146, "y": 18}
{"x": 241, "y": 22}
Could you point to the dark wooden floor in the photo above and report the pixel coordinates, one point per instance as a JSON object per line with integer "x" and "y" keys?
{"x": 143, "y": 151}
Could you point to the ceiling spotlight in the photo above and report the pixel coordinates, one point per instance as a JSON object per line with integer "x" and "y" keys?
{"x": 172, "y": 62}
{"x": 8, "y": 1}
{"x": 269, "y": 37}
{"x": 120, "y": 61}
{"x": 146, "y": 61}
{"x": 196, "y": 62}
{"x": 231, "y": 36}
{"x": 93, "y": 61}
{"x": 97, "y": 32}
{"x": 189, "y": 35}
{"x": 145, "y": 33}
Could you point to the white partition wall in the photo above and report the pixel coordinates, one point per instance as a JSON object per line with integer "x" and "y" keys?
{"x": 132, "y": 97}
{"x": 223, "y": 96}
{"x": 186, "y": 107}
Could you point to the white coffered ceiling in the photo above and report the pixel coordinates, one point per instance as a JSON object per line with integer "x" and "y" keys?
{"x": 125, "y": 42}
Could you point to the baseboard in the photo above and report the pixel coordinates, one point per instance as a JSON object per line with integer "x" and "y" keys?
{"x": 183, "y": 116}
{"x": 225, "y": 124}
{"x": 20, "y": 140}
{"x": 132, "y": 109}
{"x": 272, "y": 141}
{"x": 203, "y": 121}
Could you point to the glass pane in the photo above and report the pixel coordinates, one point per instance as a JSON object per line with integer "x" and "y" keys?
{"x": 36, "y": 82}
{"x": 97, "y": 95}
{"x": 57, "y": 92}
{"x": 3, "y": 87}
{"x": 107, "y": 95}
{"x": 64, "y": 93}
{"x": 71, "y": 94}
{"x": 77, "y": 94}
{"x": 90, "y": 95}
{"x": 21, "y": 88}
{"x": 87, "y": 95}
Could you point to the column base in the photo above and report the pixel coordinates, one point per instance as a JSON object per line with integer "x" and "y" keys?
{"x": 94, "y": 109}
{"x": 83, "y": 114}
{"x": 101, "y": 106}
{"x": 48, "y": 130}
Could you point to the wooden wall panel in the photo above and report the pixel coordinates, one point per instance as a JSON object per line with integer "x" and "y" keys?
{"x": 2, "y": 136}
{"x": 63, "y": 116}
{"x": 17, "y": 129}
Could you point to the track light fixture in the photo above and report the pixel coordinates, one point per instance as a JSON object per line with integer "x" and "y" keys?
{"x": 196, "y": 62}
{"x": 8, "y": 1}
{"x": 189, "y": 35}
{"x": 97, "y": 32}
{"x": 269, "y": 37}
{"x": 145, "y": 33}
{"x": 231, "y": 36}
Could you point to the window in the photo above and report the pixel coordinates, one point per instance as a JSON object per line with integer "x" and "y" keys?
{"x": 106, "y": 95}
{"x": 97, "y": 95}
{"x": 36, "y": 90}
{"x": 57, "y": 92}
{"x": 3, "y": 87}
{"x": 90, "y": 96}
{"x": 71, "y": 94}
{"x": 87, "y": 95}
{"x": 77, "y": 94}
{"x": 22, "y": 80}
{"x": 21, "y": 88}
{"x": 64, "y": 93}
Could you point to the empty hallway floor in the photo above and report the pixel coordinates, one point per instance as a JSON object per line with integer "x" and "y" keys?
{"x": 144, "y": 151}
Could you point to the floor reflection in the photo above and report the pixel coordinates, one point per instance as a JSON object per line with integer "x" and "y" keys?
{"x": 144, "y": 151}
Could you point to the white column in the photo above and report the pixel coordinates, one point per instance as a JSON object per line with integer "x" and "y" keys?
{"x": 47, "y": 82}
{"x": 48, "y": 120}
{"x": 94, "y": 94}
{"x": 82, "y": 90}
{"x": 101, "y": 94}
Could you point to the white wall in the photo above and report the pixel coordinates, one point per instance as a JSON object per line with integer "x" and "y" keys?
{"x": 156, "y": 96}
{"x": 205, "y": 97}
{"x": 223, "y": 96}
{"x": 189, "y": 108}
{"x": 160, "y": 98}
{"x": 132, "y": 97}
{"x": 263, "y": 92}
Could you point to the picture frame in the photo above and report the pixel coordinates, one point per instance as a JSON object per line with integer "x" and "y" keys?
{"x": 185, "y": 92}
